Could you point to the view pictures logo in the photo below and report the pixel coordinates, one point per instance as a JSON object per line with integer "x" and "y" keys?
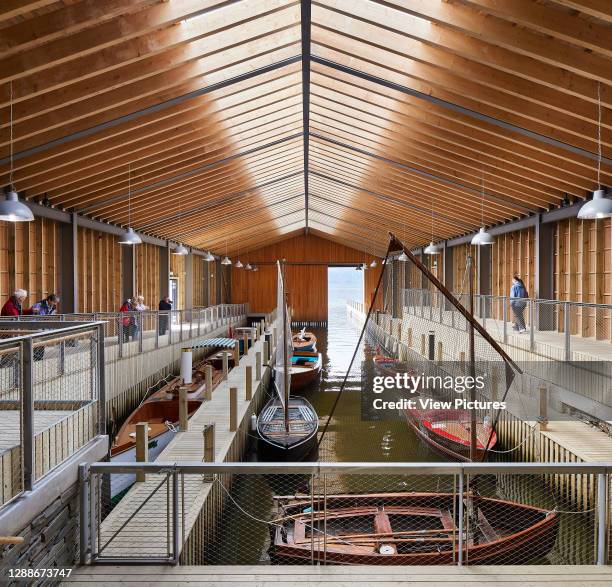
{"x": 413, "y": 383}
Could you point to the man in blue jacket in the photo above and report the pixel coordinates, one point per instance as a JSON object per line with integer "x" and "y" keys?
{"x": 518, "y": 293}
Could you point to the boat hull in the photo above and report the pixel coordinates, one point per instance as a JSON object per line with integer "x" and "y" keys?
{"x": 302, "y": 377}
{"x": 535, "y": 535}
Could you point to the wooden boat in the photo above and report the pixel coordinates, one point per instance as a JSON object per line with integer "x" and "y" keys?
{"x": 408, "y": 529}
{"x": 304, "y": 341}
{"x": 305, "y": 368}
{"x": 161, "y": 412}
{"x": 276, "y": 443}
{"x": 287, "y": 426}
{"x": 448, "y": 431}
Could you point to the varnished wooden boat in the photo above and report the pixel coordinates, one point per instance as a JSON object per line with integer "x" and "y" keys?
{"x": 278, "y": 442}
{"x": 408, "y": 529}
{"x": 305, "y": 368}
{"x": 448, "y": 431}
{"x": 304, "y": 341}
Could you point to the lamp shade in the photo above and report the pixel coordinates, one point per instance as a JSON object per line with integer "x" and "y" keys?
{"x": 599, "y": 207}
{"x": 129, "y": 237}
{"x": 209, "y": 257}
{"x": 238, "y": 264}
{"x": 248, "y": 267}
{"x": 255, "y": 268}
{"x": 482, "y": 237}
{"x": 181, "y": 250}
{"x": 432, "y": 249}
{"x": 226, "y": 261}
{"x": 12, "y": 210}
{"x": 373, "y": 263}
{"x": 403, "y": 257}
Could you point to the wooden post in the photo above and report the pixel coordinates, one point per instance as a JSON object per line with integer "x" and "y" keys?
{"x": 225, "y": 365}
{"x": 233, "y": 413}
{"x": 439, "y": 351}
{"x": 262, "y": 327}
{"x": 410, "y": 338}
{"x": 423, "y": 344}
{"x": 248, "y": 390}
{"x": 258, "y": 366}
{"x": 183, "y": 412}
{"x": 462, "y": 356}
{"x": 236, "y": 353}
{"x": 142, "y": 447}
{"x": 209, "y": 443}
{"x": 245, "y": 340}
{"x": 208, "y": 370}
{"x": 543, "y": 419}
{"x": 266, "y": 352}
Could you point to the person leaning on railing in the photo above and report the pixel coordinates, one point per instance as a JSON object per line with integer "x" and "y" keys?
{"x": 14, "y": 305}
{"x": 129, "y": 322}
{"x": 46, "y": 307}
{"x": 165, "y": 305}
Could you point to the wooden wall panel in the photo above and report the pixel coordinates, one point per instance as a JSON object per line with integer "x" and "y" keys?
{"x": 512, "y": 253}
{"x": 306, "y": 284}
{"x": 199, "y": 281}
{"x": 29, "y": 255}
{"x": 99, "y": 271}
{"x": 583, "y": 273}
{"x": 147, "y": 273}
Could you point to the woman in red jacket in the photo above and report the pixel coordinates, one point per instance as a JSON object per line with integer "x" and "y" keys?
{"x": 13, "y": 306}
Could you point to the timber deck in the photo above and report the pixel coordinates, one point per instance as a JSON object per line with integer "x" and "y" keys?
{"x": 343, "y": 576}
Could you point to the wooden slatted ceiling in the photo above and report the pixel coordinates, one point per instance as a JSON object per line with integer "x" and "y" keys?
{"x": 227, "y": 165}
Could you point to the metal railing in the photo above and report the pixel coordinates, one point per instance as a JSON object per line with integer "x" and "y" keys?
{"x": 129, "y": 333}
{"x": 559, "y": 330}
{"x": 52, "y": 398}
{"x": 348, "y": 513}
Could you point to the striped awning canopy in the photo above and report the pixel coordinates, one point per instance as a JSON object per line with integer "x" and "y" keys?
{"x": 221, "y": 342}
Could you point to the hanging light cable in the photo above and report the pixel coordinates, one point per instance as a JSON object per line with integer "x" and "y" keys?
{"x": 129, "y": 237}
{"x": 600, "y": 206}
{"x": 238, "y": 263}
{"x": 226, "y": 260}
{"x": 11, "y": 209}
{"x": 482, "y": 237}
{"x": 431, "y": 248}
{"x": 180, "y": 248}
{"x": 403, "y": 257}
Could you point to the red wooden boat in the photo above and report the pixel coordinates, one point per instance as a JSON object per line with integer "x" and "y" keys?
{"x": 408, "y": 529}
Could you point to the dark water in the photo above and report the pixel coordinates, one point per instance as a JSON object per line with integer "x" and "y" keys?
{"x": 243, "y": 532}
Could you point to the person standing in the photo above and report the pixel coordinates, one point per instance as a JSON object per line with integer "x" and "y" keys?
{"x": 129, "y": 322}
{"x": 518, "y": 293}
{"x": 14, "y": 305}
{"x": 165, "y": 306}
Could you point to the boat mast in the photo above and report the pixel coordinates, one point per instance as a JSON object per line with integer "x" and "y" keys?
{"x": 286, "y": 372}
{"x": 472, "y": 360}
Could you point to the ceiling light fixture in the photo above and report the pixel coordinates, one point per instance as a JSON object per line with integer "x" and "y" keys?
{"x": 181, "y": 250}
{"x": 482, "y": 237}
{"x": 209, "y": 257}
{"x": 11, "y": 209}
{"x": 129, "y": 237}
{"x": 226, "y": 260}
{"x": 600, "y": 206}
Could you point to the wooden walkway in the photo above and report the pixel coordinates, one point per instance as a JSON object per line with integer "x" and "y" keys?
{"x": 147, "y": 533}
{"x": 343, "y": 576}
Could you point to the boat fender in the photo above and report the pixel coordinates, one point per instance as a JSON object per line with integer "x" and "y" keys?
{"x": 307, "y": 510}
{"x": 386, "y": 549}
{"x": 253, "y": 422}
{"x": 170, "y": 426}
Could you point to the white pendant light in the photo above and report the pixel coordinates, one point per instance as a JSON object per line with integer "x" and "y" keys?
{"x": 482, "y": 237}
{"x": 11, "y": 209}
{"x": 181, "y": 250}
{"x": 600, "y": 206}
{"x": 209, "y": 257}
{"x": 431, "y": 248}
{"x": 129, "y": 237}
{"x": 373, "y": 263}
{"x": 255, "y": 268}
{"x": 226, "y": 260}
{"x": 238, "y": 264}
{"x": 403, "y": 257}
{"x": 248, "y": 267}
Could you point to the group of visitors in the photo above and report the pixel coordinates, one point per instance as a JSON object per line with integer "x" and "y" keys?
{"x": 137, "y": 304}
{"x": 14, "y": 306}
